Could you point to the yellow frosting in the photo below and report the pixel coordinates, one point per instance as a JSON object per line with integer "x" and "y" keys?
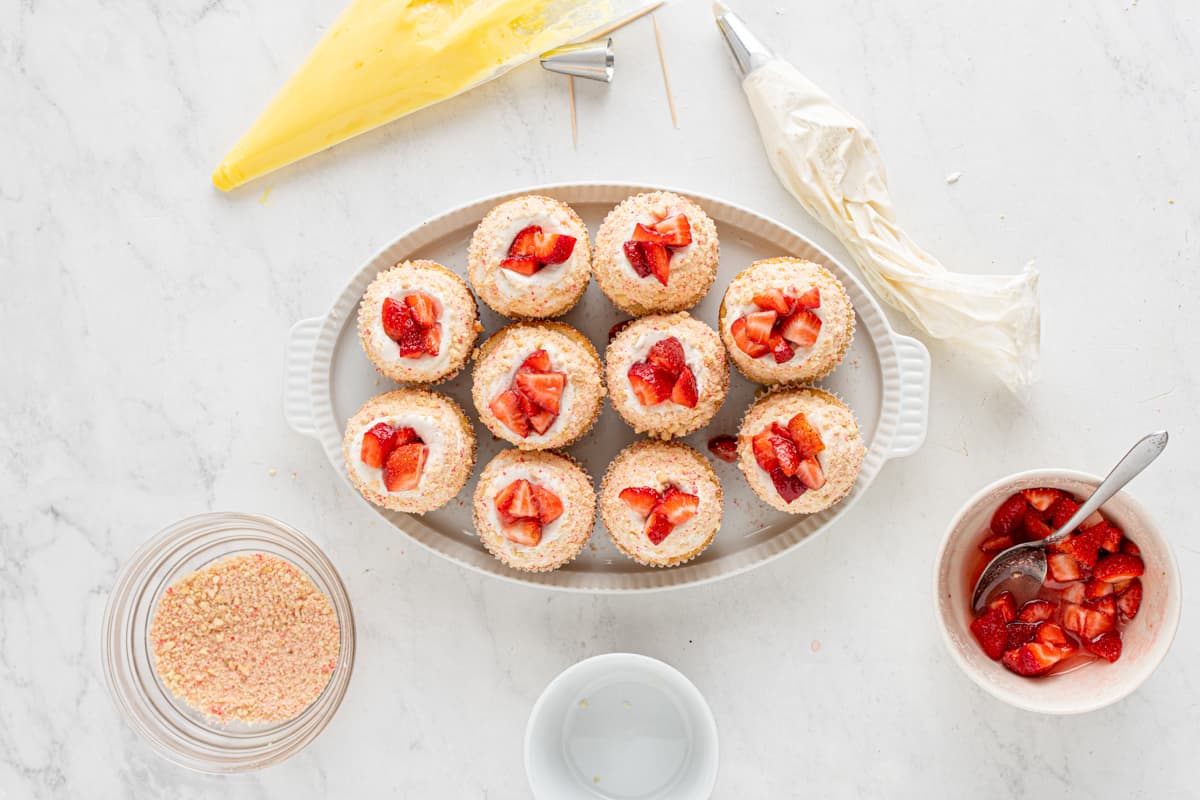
{"x": 383, "y": 59}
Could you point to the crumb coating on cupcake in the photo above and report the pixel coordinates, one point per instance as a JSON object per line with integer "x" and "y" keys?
{"x": 458, "y": 317}
{"x": 442, "y": 426}
{"x": 555, "y": 288}
{"x": 564, "y": 538}
{"x": 789, "y": 275}
{"x": 705, "y": 357}
{"x": 841, "y": 460}
{"x": 496, "y": 364}
{"x": 655, "y": 465}
{"x": 692, "y": 268}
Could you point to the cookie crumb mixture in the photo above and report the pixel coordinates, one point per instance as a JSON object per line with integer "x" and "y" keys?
{"x": 247, "y": 638}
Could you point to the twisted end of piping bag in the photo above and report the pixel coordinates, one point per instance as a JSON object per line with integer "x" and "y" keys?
{"x": 749, "y": 53}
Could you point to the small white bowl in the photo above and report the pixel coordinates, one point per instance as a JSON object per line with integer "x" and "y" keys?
{"x": 1145, "y": 639}
{"x": 623, "y": 726}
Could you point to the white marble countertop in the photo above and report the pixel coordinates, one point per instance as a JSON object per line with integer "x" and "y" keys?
{"x": 143, "y": 318}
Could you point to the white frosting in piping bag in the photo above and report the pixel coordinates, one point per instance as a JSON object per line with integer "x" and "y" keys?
{"x": 829, "y": 161}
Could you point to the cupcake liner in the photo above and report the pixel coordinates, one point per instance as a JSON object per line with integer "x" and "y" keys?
{"x": 546, "y": 301}
{"x": 763, "y": 371}
{"x": 399, "y": 401}
{"x": 482, "y": 524}
{"x": 578, "y": 424}
{"x": 463, "y": 303}
{"x": 642, "y": 296}
{"x": 677, "y": 420}
{"x": 746, "y": 460}
{"x": 618, "y": 464}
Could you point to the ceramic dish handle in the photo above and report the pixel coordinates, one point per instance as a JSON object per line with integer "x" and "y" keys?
{"x": 297, "y": 394}
{"x": 912, "y": 418}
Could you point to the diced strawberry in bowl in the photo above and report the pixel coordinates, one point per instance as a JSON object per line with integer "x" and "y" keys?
{"x": 1036, "y": 611}
{"x": 1074, "y": 592}
{"x": 989, "y": 629}
{"x": 1009, "y": 516}
{"x": 1032, "y": 659}
{"x": 1062, "y": 510}
{"x": 1006, "y": 604}
{"x": 1129, "y": 600}
{"x": 1102, "y": 619}
{"x": 996, "y": 543}
{"x": 1019, "y": 633}
{"x": 1063, "y": 567}
{"x": 1106, "y": 645}
{"x": 1119, "y": 567}
{"x": 1041, "y": 499}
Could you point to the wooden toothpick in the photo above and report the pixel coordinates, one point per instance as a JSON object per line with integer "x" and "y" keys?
{"x": 574, "y": 126}
{"x": 662, "y": 59}
{"x": 605, "y": 31}
{"x": 621, "y": 23}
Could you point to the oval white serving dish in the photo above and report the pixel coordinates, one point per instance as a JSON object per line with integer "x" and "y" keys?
{"x": 884, "y": 379}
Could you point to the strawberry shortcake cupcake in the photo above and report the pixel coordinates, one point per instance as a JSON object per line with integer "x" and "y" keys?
{"x": 656, "y": 252}
{"x": 409, "y": 450}
{"x": 418, "y": 322}
{"x": 800, "y": 449}
{"x": 530, "y": 257}
{"x": 786, "y": 320}
{"x": 538, "y": 385}
{"x": 666, "y": 374}
{"x": 534, "y": 510}
{"x": 661, "y": 503}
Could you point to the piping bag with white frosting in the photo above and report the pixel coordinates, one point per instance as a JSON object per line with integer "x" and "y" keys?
{"x": 829, "y": 161}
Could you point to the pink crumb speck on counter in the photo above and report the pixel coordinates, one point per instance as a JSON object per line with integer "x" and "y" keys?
{"x": 262, "y": 666}
{"x": 816, "y": 645}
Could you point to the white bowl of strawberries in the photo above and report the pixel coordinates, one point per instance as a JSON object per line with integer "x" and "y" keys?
{"x": 1099, "y": 625}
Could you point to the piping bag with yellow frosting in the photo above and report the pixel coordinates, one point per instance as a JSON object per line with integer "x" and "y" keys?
{"x": 384, "y": 59}
{"x": 829, "y": 161}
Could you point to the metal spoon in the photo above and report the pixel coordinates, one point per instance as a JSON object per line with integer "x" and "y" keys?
{"x": 1027, "y": 561}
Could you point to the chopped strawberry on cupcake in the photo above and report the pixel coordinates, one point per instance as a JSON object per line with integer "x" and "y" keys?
{"x": 656, "y": 253}
{"x": 417, "y": 322}
{"x": 530, "y": 258}
{"x": 800, "y": 449}
{"x": 667, "y": 374}
{"x": 534, "y": 510}
{"x": 786, "y": 320}
{"x": 538, "y": 385}
{"x": 409, "y": 450}
{"x": 661, "y": 503}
